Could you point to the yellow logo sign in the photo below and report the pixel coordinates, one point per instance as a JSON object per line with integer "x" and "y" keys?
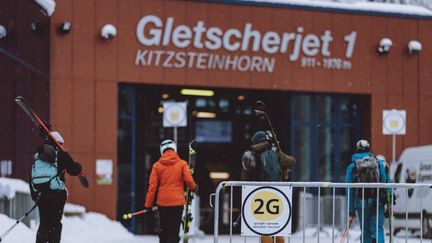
{"x": 267, "y": 206}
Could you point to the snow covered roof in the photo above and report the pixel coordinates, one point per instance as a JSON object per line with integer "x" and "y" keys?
{"x": 9, "y": 186}
{"x": 372, "y": 8}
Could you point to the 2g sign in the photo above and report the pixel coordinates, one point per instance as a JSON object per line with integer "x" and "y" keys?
{"x": 268, "y": 206}
{"x": 266, "y": 210}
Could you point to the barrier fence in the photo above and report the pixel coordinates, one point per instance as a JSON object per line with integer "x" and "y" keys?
{"x": 319, "y": 206}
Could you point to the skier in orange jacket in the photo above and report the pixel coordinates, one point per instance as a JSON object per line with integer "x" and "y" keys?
{"x": 167, "y": 180}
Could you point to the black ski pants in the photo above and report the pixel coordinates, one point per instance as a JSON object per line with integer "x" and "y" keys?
{"x": 170, "y": 219}
{"x": 50, "y": 205}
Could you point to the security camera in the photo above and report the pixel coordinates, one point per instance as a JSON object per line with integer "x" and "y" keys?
{"x": 385, "y": 45}
{"x": 414, "y": 47}
{"x": 47, "y": 6}
{"x": 65, "y": 27}
{"x": 3, "y": 32}
{"x": 109, "y": 31}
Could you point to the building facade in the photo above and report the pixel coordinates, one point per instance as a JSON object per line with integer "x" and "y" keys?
{"x": 318, "y": 69}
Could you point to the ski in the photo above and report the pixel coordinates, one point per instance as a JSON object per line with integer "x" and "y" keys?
{"x": 187, "y": 218}
{"x": 43, "y": 128}
{"x": 285, "y": 160}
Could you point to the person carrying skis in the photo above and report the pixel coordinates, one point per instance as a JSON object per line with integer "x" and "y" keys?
{"x": 366, "y": 168}
{"x": 261, "y": 163}
{"x": 48, "y": 189}
{"x": 166, "y": 183}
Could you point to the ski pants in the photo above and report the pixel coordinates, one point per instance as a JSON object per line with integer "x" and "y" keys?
{"x": 50, "y": 207}
{"x": 369, "y": 228}
{"x": 170, "y": 219}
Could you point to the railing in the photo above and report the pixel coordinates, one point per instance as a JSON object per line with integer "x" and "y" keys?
{"x": 331, "y": 206}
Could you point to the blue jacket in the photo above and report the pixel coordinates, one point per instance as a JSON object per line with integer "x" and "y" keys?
{"x": 350, "y": 176}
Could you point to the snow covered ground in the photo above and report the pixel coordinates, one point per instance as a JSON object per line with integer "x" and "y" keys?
{"x": 97, "y": 228}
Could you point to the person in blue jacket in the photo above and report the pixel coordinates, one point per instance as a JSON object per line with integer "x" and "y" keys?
{"x": 356, "y": 173}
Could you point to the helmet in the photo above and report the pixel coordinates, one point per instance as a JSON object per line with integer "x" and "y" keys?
{"x": 362, "y": 145}
{"x": 57, "y": 137}
{"x": 168, "y": 144}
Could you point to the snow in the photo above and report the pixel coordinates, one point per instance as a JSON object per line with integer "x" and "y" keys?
{"x": 97, "y": 228}
{"x": 377, "y": 7}
{"x": 47, "y": 5}
{"x": 9, "y": 186}
{"x": 74, "y": 209}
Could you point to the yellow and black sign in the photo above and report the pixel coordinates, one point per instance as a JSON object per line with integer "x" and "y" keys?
{"x": 266, "y": 210}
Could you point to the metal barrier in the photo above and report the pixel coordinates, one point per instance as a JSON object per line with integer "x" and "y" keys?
{"x": 324, "y": 204}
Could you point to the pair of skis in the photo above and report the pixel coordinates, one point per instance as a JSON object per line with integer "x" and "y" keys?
{"x": 187, "y": 218}
{"x": 43, "y": 128}
{"x": 285, "y": 160}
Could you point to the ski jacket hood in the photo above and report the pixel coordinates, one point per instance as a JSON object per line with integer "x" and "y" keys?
{"x": 169, "y": 157}
{"x": 167, "y": 179}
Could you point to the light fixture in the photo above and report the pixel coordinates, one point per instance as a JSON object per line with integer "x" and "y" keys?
{"x": 65, "y": 28}
{"x": 414, "y": 47}
{"x": 219, "y": 175}
{"x": 384, "y": 46}
{"x": 197, "y": 92}
{"x": 108, "y": 31}
{"x": 35, "y": 27}
{"x": 205, "y": 114}
{"x": 3, "y": 32}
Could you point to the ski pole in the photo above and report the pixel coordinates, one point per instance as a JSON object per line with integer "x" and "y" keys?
{"x": 127, "y": 216}
{"x": 17, "y": 222}
{"x": 345, "y": 233}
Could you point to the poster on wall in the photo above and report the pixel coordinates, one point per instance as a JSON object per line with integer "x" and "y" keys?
{"x": 104, "y": 171}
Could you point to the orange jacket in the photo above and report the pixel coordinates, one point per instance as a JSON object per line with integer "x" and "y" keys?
{"x": 166, "y": 180}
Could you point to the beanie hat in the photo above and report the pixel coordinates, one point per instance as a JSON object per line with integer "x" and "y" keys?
{"x": 168, "y": 144}
{"x": 259, "y": 136}
{"x": 57, "y": 137}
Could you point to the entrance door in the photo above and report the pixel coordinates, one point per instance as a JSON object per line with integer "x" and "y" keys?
{"x": 324, "y": 129}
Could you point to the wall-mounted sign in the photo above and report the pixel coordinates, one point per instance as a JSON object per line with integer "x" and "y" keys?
{"x": 394, "y": 122}
{"x": 311, "y": 50}
{"x": 174, "y": 114}
{"x": 266, "y": 211}
{"x": 104, "y": 171}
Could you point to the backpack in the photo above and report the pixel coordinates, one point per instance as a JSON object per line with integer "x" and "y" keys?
{"x": 45, "y": 176}
{"x": 367, "y": 172}
{"x": 250, "y": 160}
{"x": 270, "y": 167}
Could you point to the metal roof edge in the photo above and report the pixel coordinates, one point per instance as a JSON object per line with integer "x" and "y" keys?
{"x": 319, "y": 8}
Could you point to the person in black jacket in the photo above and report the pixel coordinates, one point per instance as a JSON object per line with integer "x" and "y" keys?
{"x": 50, "y": 193}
